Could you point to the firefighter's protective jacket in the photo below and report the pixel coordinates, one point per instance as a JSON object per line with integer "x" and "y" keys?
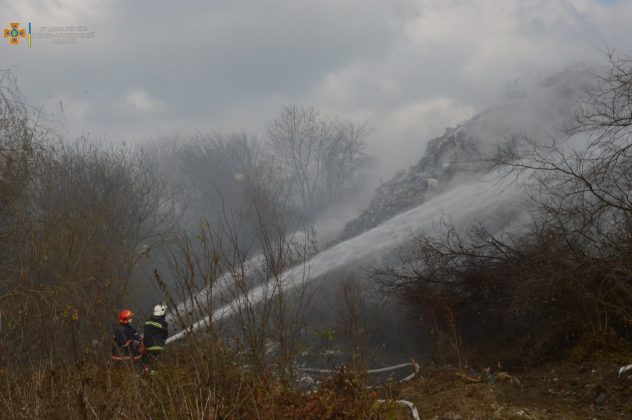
{"x": 125, "y": 342}
{"x": 155, "y": 333}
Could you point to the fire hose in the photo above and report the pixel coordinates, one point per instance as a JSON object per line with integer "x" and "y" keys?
{"x": 410, "y": 405}
{"x": 413, "y": 409}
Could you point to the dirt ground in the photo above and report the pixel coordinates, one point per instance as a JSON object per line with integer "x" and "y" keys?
{"x": 561, "y": 390}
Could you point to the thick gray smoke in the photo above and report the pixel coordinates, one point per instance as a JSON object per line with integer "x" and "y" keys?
{"x": 539, "y": 111}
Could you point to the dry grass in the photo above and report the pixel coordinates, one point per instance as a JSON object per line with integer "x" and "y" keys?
{"x": 212, "y": 387}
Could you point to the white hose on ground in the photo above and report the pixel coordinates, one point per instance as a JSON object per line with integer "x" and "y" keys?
{"x": 413, "y": 409}
{"x": 624, "y": 369}
{"x": 371, "y": 371}
{"x": 415, "y": 366}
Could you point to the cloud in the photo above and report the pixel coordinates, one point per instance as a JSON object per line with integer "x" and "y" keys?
{"x": 139, "y": 100}
{"x": 406, "y": 67}
{"x": 66, "y": 10}
{"x": 413, "y": 116}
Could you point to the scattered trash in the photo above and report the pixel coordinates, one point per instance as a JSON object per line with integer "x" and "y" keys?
{"x": 523, "y": 414}
{"x": 468, "y": 378}
{"x": 504, "y": 377}
{"x": 515, "y": 381}
{"x": 488, "y": 377}
{"x": 601, "y": 398}
{"x": 306, "y": 381}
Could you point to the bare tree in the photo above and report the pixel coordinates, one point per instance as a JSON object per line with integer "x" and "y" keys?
{"x": 584, "y": 181}
{"x": 320, "y": 158}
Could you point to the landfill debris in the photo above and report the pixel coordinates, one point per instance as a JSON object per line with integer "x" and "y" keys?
{"x": 468, "y": 378}
{"x": 524, "y": 414}
{"x": 601, "y": 398}
{"x": 488, "y": 377}
{"x": 504, "y": 377}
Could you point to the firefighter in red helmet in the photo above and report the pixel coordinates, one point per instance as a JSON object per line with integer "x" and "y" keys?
{"x": 126, "y": 341}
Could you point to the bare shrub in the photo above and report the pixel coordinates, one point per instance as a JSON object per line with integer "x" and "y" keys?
{"x": 245, "y": 296}
{"x": 567, "y": 275}
{"x": 353, "y": 324}
{"x": 83, "y": 221}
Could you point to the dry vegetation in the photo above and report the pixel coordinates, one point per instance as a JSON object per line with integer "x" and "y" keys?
{"x": 207, "y": 385}
{"x": 565, "y": 280}
{"x": 76, "y": 219}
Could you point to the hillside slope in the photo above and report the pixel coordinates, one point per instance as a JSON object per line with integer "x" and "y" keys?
{"x": 539, "y": 111}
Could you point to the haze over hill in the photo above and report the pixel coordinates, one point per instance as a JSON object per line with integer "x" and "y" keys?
{"x": 539, "y": 110}
{"x": 237, "y": 209}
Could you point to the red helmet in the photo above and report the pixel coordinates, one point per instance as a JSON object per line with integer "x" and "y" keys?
{"x": 125, "y": 316}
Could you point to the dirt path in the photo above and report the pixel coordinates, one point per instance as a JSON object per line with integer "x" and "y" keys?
{"x": 590, "y": 390}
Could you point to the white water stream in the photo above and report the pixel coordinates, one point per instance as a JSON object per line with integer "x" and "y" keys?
{"x": 468, "y": 203}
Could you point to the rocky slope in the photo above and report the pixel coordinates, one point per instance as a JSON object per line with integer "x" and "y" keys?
{"x": 445, "y": 156}
{"x": 539, "y": 111}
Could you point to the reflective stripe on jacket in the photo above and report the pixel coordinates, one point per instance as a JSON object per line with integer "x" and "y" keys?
{"x": 155, "y": 333}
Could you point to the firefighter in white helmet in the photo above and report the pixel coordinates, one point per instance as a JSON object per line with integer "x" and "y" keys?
{"x": 155, "y": 333}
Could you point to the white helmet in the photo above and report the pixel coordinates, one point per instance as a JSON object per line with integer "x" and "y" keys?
{"x": 160, "y": 309}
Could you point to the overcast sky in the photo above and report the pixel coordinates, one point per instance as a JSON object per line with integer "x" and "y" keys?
{"x": 408, "y": 68}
